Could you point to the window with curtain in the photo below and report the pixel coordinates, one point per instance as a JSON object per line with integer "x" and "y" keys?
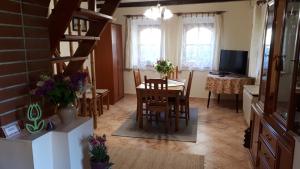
{"x": 149, "y": 45}
{"x": 144, "y": 43}
{"x": 199, "y": 46}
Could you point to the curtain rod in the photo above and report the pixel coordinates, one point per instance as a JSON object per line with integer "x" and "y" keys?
{"x": 191, "y": 13}
{"x": 187, "y": 13}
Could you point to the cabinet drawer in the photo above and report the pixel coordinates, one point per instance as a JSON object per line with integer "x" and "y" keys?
{"x": 269, "y": 138}
{"x": 266, "y": 156}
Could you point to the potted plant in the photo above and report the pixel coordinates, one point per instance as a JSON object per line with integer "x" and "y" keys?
{"x": 62, "y": 91}
{"x": 163, "y": 67}
{"x": 98, "y": 151}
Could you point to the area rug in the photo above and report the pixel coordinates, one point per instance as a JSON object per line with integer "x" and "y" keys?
{"x": 157, "y": 131}
{"x": 133, "y": 158}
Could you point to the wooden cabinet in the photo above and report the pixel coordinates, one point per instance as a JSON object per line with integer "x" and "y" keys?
{"x": 109, "y": 62}
{"x": 255, "y": 130}
{"x": 276, "y": 116}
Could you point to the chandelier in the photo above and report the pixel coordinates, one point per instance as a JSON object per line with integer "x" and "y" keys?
{"x": 158, "y": 12}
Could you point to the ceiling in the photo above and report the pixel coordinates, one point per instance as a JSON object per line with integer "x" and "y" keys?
{"x": 140, "y": 3}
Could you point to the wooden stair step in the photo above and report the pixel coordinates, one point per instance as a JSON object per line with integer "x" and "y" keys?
{"x": 67, "y": 59}
{"x": 90, "y": 15}
{"x": 78, "y": 38}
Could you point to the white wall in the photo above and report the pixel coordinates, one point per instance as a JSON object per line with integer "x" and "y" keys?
{"x": 237, "y": 29}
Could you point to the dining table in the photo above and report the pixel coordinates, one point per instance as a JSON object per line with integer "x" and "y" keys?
{"x": 175, "y": 89}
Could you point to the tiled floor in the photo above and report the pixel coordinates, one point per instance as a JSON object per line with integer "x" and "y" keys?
{"x": 220, "y": 134}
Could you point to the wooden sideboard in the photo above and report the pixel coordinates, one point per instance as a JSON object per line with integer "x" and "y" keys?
{"x": 109, "y": 62}
{"x": 275, "y": 116}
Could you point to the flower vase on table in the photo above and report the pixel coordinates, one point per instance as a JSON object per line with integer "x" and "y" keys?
{"x": 163, "y": 67}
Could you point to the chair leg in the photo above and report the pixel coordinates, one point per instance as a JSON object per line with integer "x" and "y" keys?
{"x": 137, "y": 107}
{"x": 108, "y": 101}
{"x": 166, "y": 121}
{"x": 101, "y": 104}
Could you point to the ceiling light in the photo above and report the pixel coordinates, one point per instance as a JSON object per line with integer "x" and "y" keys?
{"x": 158, "y": 12}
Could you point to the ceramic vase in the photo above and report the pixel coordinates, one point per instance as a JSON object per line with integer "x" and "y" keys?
{"x": 67, "y": 113}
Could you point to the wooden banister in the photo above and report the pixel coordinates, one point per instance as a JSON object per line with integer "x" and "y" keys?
{"x": 96, "y": 28}
{"x": 59, "y": 21}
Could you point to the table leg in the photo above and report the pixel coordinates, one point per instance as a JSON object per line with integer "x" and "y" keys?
{"x": 209, "y": 94}
{"x": 219, "y": 95}
{"x": 237, "y": 102}
{"x": 108, "y": 101}
{"x": 177, "y": 113}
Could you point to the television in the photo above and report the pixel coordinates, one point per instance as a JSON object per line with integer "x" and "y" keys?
{"x": 233, "y": 61}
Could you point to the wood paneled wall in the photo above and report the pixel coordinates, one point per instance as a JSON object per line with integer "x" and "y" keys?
{"x": 24, "y": 53}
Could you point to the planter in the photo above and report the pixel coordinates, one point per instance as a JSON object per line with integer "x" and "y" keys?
{"x": 100, "y": 165}
{"x": 67, "y": 114}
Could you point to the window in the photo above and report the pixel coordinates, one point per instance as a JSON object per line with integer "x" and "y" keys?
{"x": 198, "y": 47}
{"x": 149, "y": 45}
{"x": 200, "y": 41}
{"x": 144, "y": 43}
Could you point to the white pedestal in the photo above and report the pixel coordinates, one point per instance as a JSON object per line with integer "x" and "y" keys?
{"x": 64, "y": 148}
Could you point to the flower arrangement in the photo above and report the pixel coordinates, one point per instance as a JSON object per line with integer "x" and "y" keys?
{"x": 98, "y": 152}
{"x": 164, "y": 67}
{"x": 61, "y": 90}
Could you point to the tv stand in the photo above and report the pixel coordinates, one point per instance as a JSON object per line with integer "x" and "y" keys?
{"x": 227, "y": 85}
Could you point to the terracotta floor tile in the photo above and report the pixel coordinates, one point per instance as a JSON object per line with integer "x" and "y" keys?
{"x": 220, "y": 133}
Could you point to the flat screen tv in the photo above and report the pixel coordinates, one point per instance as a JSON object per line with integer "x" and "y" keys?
{"x": 233, "y": 61}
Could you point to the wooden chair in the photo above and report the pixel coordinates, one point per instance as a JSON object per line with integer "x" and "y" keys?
{"x": 138, "y": 81}
{"x": 88, "y": 101}
{"x": 174, "y": 74}
{"x": 103, "y": 93}
{"x": 137, "y": 77}
{"x": 156, "y": 95}
{"x": 185, "y": 100}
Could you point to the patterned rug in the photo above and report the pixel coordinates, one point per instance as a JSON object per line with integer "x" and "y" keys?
{"x": 152, "y": 130}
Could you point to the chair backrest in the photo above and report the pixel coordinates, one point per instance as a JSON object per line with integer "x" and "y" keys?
{"x": 137, "y": 77}
{"x": 189, "y": 85}
{"x": 156, "y": 90}
{"x": 174, "y": 74}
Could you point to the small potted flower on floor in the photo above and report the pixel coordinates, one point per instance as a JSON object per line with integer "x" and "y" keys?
{"x": 99, "y": 158}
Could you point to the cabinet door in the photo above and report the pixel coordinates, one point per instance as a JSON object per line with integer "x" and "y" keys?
{"x": 117, "y": 60}
{"x": 296, "y": 95}
{"x": 284, "y": 157}
{"x": 286, "y": 63}
{"x": 267, "y": 49}
{"x": 256, "y": 127}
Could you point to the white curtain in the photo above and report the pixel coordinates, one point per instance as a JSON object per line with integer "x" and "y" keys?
{"x": 134, "y": 58}
{"x": 256, "y": 49}
{"x": 199, "y": 41}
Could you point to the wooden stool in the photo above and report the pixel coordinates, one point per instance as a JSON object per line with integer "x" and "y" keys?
{"x": 103, "y": 93}
{"x": 89, "y": 104}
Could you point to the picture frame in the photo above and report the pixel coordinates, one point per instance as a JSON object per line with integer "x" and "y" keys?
{"x": 75, "y": 24}
{"x": 10, "y": 130}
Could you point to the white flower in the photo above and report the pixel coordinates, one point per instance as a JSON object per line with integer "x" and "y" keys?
{"x": 40, "y": 83}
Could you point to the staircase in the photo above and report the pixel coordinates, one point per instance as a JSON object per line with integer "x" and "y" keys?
{"x": 59, "y": 21}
